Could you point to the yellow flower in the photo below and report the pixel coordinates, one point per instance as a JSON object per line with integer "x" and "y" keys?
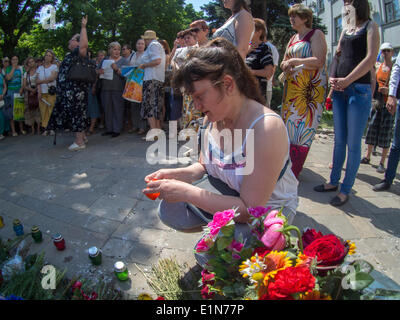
{"x": 305, "y": 94}
{"x": 315, "y": 295}
{"x": 262, "y": 269}
{"x": 303, "y": 260}
{"x": 274, "y": 262}
{"x": 144, "y": 296}
{"x": 352, "y": 247}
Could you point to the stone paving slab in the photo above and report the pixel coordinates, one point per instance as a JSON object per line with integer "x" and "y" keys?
{"x": 93, "y": 197}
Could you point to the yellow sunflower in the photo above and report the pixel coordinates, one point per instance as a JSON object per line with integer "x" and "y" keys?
{"x": 352, "y": 247}
{"x": 274, "y": 262}
{"x": 305, "y": 94}
{"x": 315, "y": 295}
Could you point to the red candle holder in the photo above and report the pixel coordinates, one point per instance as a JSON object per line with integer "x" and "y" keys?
{"x": 59, "y": 242}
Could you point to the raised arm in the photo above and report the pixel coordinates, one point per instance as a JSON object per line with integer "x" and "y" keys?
{"x": 83, "y": 40}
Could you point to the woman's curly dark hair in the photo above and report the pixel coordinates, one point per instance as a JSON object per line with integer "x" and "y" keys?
{"x": 213, "y": 61}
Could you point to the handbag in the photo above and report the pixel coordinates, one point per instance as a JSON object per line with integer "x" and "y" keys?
{"x": 83, "y": 70}
{"x": 33, "y": 101}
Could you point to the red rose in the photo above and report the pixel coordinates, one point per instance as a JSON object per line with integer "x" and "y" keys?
{"x": 207, "y": 277}
{"x": 261, "y": 251}
{"x": 206, "y": 293}
{"x": 289, "y": 281}
{"x": 329, "y": 250}
{"x": 309, "y": 236}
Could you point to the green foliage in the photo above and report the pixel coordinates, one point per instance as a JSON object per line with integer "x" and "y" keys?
{"x": 117, "y": 20}
{"x": 27, "y": 284}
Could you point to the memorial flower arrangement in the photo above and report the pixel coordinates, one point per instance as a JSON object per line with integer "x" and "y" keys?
{"x": 276, "y": 264}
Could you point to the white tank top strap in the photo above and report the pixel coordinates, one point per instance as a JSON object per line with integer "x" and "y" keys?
{"x": 254, "y": 123}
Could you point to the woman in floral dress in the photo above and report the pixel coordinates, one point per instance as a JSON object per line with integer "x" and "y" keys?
{"x": 70, "y": 110}
{"x": 304, "y": 92}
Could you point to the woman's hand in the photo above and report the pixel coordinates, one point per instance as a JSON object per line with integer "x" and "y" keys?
{"x": 141, "y": 66}
{"x": 170, "y": 190}
{"x": 160, "y": 175}
{"x": 100, "y": 71}
{"x": 391, "y": 105}
{"x": 84, "y": 21}
{"x": 339, "y": 84}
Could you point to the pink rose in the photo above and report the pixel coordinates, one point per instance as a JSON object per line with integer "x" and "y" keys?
{"x": 236, "y": 246}
{"x": 272, "y": 214}
{"x": 258, "y": 211}
{"x": 272, "y": 238}
{"x": 220, "y": 219}
{"x": 204, "y": 244}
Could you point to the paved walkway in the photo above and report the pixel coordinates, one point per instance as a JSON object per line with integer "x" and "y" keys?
{"x": 93, "y": 198}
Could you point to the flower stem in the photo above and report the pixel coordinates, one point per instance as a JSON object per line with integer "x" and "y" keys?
{"x": 290, "y": 228}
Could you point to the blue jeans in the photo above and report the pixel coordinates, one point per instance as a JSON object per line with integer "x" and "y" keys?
{"x": 351, "y": 109}
{"x": 394, "y": 155}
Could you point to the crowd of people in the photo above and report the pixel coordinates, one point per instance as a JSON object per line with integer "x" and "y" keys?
{"x": 223, "y": 80}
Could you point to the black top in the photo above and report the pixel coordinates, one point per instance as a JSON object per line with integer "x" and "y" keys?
{"x": 259, "y": 58}
{"x": 353, "y": 51}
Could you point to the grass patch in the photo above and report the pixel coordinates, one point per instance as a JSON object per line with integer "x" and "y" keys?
{"x": 170, "y": 280}
{"x": 326, "y": 120}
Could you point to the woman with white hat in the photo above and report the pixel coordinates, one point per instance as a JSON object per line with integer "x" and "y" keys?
{"x": 380, "y": 127}
{"x": 154, "y": 76}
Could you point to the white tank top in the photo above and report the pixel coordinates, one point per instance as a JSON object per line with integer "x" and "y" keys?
{"x": 227, "y": 169}
{"x": 227, "y": 31}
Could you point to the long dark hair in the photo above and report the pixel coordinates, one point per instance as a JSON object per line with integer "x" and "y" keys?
{"x": 218, "y": 58}
{"x": 239, "y": 5}
{"x": 363, "y": 11}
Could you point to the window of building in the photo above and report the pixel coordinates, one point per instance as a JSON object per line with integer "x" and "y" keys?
{"x": 320, "y": 5}
{"x": 392, "y": 10}
{"x": 338, "y": 28}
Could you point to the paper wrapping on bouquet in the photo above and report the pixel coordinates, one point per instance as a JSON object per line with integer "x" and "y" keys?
{"x": 190, "y": 115}
{"x": 19, "y": 107}
{"x": 134, "y": 86}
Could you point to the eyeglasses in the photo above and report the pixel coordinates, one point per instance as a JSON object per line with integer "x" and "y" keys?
{"x": 196, "y": 30}
{"x": 386, "y": 50}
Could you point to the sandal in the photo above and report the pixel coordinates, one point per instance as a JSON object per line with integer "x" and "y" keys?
{"x": 365, "y": 160}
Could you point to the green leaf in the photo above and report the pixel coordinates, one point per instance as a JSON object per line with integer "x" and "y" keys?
{"x": 360, "y": 280}
{"x": 362, "y": 266}
{"x": 246, "y": 253}
{"x": 229, "y": 229}
{"x": 227, "y": 256}
{"x": 223, "y": 242}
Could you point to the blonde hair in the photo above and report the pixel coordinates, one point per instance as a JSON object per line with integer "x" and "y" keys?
{"x": 52, "y": 54}
{"x": 112, "y": 45}
{"x": 302, "y": 11}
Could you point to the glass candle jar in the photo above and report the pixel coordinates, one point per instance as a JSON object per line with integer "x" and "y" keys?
{"x": 95, "y": 256}
{"x": 18, "y": 227}
{"x": 59, "y": 242}
{"x": 121, "y": 271}
{"x": 36, "y": 234}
